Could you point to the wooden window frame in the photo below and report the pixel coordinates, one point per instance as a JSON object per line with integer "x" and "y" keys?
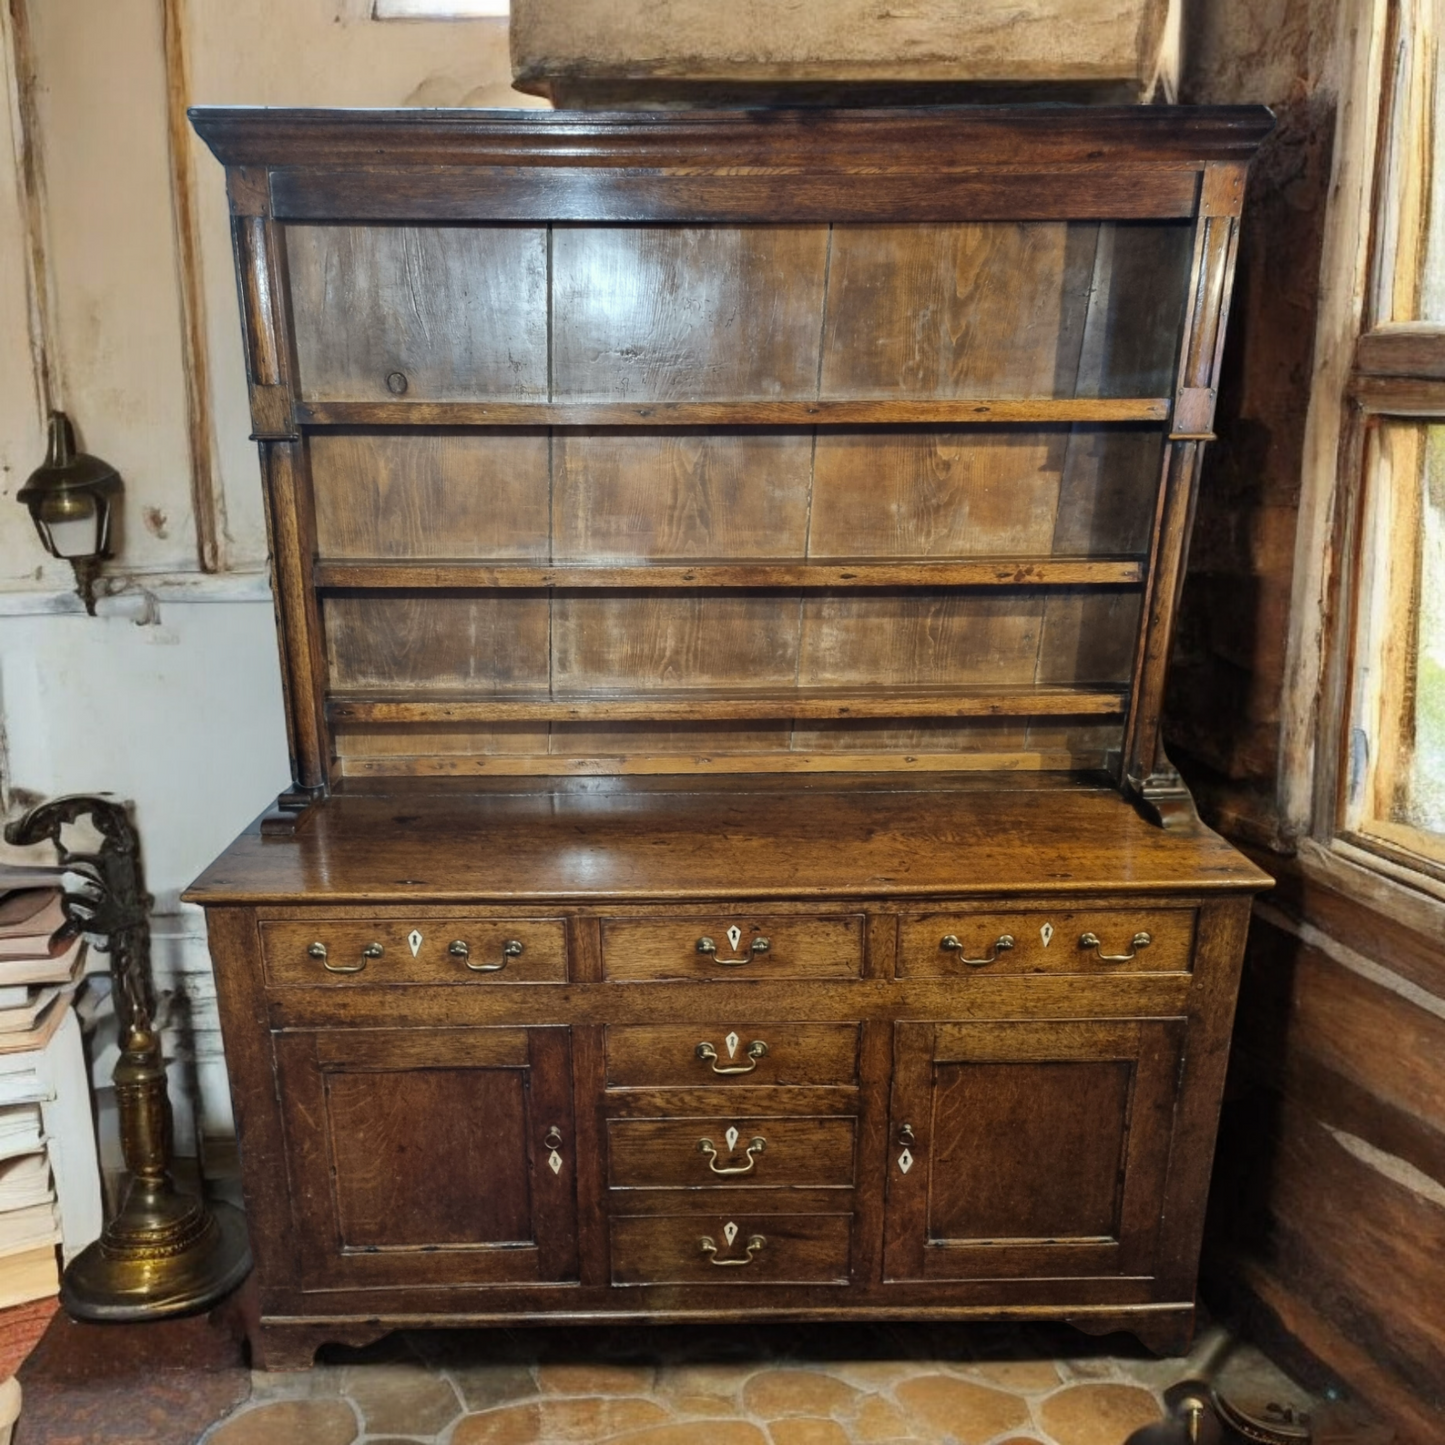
{"x": 1387, "y": 378}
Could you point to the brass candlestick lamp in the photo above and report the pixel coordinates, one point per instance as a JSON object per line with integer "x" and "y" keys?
{"x": 165, "y": 1252}
{"x": 71, "y": 498}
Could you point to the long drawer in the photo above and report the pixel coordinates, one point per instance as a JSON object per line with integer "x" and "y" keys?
{"x": 744, "y": 1249}
{"x": 728, "y": 945}
{"x": 664, "y": 1055}
{"x": 961, "y": 942}
{"x": 435, "y": 950}
{"x": 752, "y": 1151}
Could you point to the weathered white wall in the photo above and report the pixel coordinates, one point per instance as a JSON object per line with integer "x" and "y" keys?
{"x": 170, "y": 698}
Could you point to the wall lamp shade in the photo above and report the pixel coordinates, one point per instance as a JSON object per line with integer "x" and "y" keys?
{"x": 71, "y": 497}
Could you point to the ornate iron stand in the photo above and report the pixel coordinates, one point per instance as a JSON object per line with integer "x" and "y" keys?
{"x": 165, "y": 1252}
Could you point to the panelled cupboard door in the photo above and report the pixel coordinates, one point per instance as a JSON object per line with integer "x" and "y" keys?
{"x": 1029, "y": 1149}
{"x": 430, "y": 1156}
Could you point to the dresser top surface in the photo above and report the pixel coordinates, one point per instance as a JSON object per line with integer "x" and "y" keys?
{"x": 740, "y": 837}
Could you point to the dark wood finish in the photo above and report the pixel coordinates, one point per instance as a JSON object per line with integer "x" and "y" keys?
{"x": 642, "y": 948}
{"x": 737, "y": 527}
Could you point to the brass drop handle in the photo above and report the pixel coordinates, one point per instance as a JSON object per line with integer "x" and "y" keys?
{"x": 461, "y": 949}
{"x": 905, "y": 1134}
{"x": 552, "y": 1139}
{"x": 709, "y": 1248}
{"x": 318, "y": 951}
{"x": 949, "y": 942}
{"x": 756, "y": 1051}
{"x": 758, "y": 946}
{"x": 1091, "y": 940}
{"x": 756, "y": 1145}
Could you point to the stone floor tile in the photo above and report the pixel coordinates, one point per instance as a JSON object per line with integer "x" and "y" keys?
{"x": 323, "y": 1382}
{"x": 877, "y": 1420}
{"x": 777, "y": 1392}
{"x": 402, "y": 1397}
{"x": 483, "y": 1385}
{"x": 719, "y": 1432}
{"x": 701, "y": 1389}
{"x": 881, "y": 1374}
{"x": 808, "y": 1430}
{"x": 1023, "y": 1375}
{"x": 594, "y": 1378}
{"x": 556, "y": 1421}
{"x": 959, "y": 1409}
{"x": 316, "y": 1422}
{"x": 1097, "y": 1414}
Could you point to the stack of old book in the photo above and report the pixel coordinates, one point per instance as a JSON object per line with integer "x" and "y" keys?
{"x": 41, "y": 961}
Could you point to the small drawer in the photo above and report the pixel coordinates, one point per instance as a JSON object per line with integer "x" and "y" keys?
{"x": 430, "y": 950}
{"x": 662, "y": 1055}
{"x": 730, "y": 1249}
{"x": 1084, "y": 940}
{"x": 732, "y": 945}
{"x": 754, "y": 1152}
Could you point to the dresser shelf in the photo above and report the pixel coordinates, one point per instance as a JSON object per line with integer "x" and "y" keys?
{"x": 386, "y": 575}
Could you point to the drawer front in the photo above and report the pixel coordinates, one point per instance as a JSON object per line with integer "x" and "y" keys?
{"x": 432, "y": 950}
{"x": 731, "y": 945}
{"x": 751, "y": 1151}
{"x": 663, "y": 1055}
{"x": 737, "y": 1249}
{"x": 1083, "y": 940}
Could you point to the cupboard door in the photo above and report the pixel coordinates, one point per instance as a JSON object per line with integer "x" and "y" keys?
{"x": 1029, "y": 1148}
{"x": 436, "y": 1156}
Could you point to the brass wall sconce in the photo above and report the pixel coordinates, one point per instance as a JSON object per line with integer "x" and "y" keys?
{"x": 165, "y": 1252}
{"x": 71, "y": 497}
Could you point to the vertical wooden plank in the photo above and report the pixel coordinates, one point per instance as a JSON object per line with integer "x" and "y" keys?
{"x": 875, "y": 1064}
{"x": 911, "y": 1104}
{"x": 684, "y": 492}
{"x": 245, "y": 1031}
{"x": 554, "y": 1191}
{"x": 290, "y": 531}
{"x": 589, "y": 1082}
{"x": 1218, "y": 959}
{"x": 436, "y": 493}
{"x": 664, "y": 313}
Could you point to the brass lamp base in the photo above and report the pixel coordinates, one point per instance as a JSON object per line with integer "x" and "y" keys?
{"x": 152, "y": 1262}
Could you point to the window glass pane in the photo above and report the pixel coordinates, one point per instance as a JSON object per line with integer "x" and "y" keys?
{"x": 1421, "y": 790}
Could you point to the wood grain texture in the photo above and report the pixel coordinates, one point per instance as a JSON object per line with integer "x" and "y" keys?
{"x": 895, "y": 837}
{"x": 665, "y": 1153}
{"x": 665, "y": 1249}
{"x": 677, "y": 313}
{"x": 459, "y": 312}
{"x": 497, "y": 643}
{"x": 796, "y": 1054}
{"x": 413, "y": 495}
{"x": 672, "y": 494}
{"x": 634, "y": 948}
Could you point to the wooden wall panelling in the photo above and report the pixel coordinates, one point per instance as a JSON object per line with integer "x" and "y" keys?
{"x": 649, "y": 313}
{"x": 631, "y": 495}
{"x": 992, "y": 309}
{"x": 918, "y": 493}
{"x": 422, "y": 494}
{"x": 1107, "y": 491}
{"x": 456, "y": 312}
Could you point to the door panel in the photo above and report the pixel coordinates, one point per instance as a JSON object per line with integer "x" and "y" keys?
{"x": 1029, "y": 1148}
{"x": 427, "y": 1159}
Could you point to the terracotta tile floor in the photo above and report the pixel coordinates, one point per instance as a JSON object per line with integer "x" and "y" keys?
{"x": 816, "y": 1385}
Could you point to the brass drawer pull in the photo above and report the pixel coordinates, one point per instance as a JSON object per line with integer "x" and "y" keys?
{"x": 1091, "y": 940}
{"x": 758, "y": 946}
{"x": 709, "y": 1248}
{"x": 756, "y": 1145}
{"x": 462, "y": 950}
{"x": 756, "y": 1051}
{"x": 318, "y": 951}
{"x": 1001, "y": 944}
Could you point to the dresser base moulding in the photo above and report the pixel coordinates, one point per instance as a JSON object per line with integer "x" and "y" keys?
{"x": 291, "y": 1344}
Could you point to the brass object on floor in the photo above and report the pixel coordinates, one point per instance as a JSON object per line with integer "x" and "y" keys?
{"x": 165, "y": 1252}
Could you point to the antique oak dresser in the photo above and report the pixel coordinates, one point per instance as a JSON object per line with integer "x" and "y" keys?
{"x": 724, "y": 567}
